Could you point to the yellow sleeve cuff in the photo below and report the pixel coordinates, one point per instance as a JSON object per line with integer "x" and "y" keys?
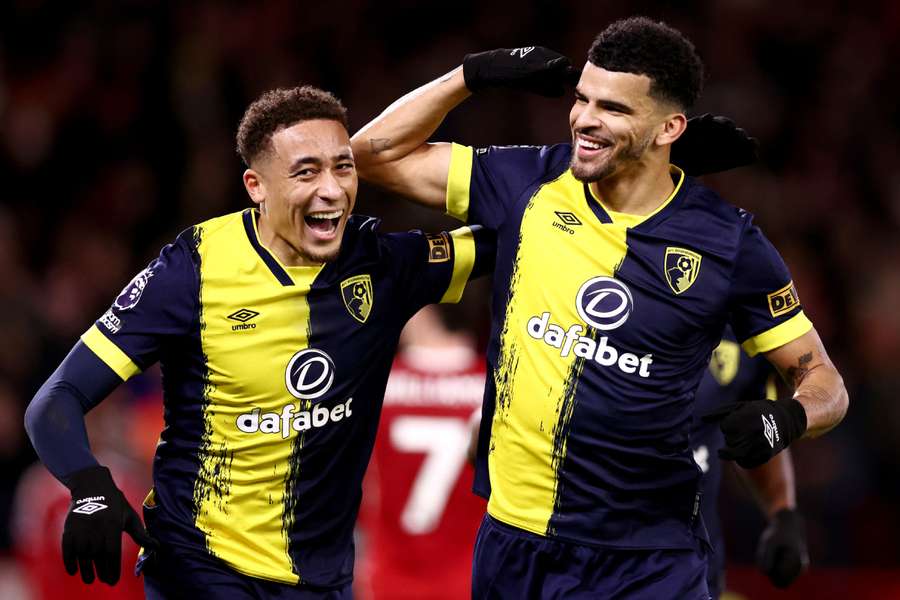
{"x": 109, "y": 353}
{"x": 458, "y": 180}
{"x": 778, "y": 336}
{"x": 463, "y": 261}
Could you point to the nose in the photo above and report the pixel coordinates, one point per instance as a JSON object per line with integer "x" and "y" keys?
{"x": 329, "y": 186}
{"x": 587, "y": 118}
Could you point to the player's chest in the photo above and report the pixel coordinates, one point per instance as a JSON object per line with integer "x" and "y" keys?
{"x": 646, "y": 285}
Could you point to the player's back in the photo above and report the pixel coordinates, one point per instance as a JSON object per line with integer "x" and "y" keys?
{"x": 420, "y": 515}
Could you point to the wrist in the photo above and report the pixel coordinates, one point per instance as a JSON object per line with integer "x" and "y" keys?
{"x": 89, "y": 478}
{"x": 796, "y": 417}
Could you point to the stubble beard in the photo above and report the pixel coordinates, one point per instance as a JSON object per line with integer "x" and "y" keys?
{"x": 630, "y": 153}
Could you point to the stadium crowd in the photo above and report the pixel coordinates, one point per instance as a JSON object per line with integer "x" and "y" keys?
{"x": 116, "y": 132}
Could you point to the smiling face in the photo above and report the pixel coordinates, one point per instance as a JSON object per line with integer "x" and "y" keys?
{"x": 614, "y": 123}
{"x": 306, "y": 187}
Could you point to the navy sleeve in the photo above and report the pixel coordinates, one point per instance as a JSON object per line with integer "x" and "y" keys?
{"x": 435, "y": 267}
{"x": 764, "y": 305}
{"x": 54, "y": 419}
{"x": 158, "y": 304}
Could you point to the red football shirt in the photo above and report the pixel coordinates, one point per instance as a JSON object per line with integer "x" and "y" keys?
{"x": 419, "y": 515}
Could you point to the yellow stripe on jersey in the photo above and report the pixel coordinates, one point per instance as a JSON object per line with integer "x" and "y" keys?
{"x": 109, "y": 353}
{"x": 242, "y": 498}
{"x": 778, "y": 336}
{"x": 458, "y": 179}
{"x": 536, "y": 381}
{"x": 463, "y": 261}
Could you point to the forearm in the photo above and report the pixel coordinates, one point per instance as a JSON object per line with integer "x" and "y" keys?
{"x": 55, "y": 424}
{"x": 407, "y": 124}
{"x": 772, "y": 483}
{"x": 54, "y": 419}
{"x": 822, "y": 393}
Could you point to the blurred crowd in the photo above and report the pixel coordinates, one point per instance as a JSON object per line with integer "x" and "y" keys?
{"x": 116, "y": 132}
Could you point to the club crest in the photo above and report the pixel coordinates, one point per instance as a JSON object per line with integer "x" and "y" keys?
{"x": 357, "y": 294}
{"x": 681, "y": 267}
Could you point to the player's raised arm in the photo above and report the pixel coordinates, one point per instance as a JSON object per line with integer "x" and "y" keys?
{"x": 392, "y": 150}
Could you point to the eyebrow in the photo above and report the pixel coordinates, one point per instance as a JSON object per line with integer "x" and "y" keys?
{"x": 316, "y": 161}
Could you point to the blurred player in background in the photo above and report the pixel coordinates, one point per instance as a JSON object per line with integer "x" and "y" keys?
{"x": 616, "y": 274}
{"x": 419, "y": 514}
{"x": 781, "y": 553}
{"x": 275, "y": 328}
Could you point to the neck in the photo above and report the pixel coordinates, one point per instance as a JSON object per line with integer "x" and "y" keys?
{"x": 639, "y": 189}
{"x": 283, "y": 250}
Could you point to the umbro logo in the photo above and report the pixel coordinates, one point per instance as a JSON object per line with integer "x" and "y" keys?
{"x": 521, "y": 52}
{"x": 88, "y": 506}
{"x": 566, "y": 221}
{"x": 242, "y": 316}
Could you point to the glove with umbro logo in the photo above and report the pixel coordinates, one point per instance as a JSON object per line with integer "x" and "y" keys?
{"x": 532, "y": 69}
{"x": 92, "y": 534}
{"x": 756, "y": 431}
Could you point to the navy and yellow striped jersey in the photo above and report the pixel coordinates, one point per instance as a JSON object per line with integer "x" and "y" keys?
{"x": 273, "y": 380}
{"x": 603, "y": 326}
{"x": 732, "y": 376}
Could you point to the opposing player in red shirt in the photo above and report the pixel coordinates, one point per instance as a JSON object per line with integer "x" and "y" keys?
{"x": 419, "y": 514}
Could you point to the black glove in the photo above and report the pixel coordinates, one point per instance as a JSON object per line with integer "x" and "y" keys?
{"x": 92, "y": 534}
{"x": 756, "y": 431}
{"x": 531, "y": 69}
{"x": 781, "y": 553}
{"x": 711, "y": 144}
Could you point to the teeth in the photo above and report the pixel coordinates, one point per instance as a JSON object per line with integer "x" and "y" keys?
{"x": 588, "y": 145}
{"x": 326, "y": 215}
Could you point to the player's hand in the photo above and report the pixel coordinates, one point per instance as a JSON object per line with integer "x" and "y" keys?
{"x": 756, "y": 431}
{"x": 781, "y": 553}
{"x": 92, "y": 534}
{"x": 711, "y": 144}
{"x": 533, "y": 69}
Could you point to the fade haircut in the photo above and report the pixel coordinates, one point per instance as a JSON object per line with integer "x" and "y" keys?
{"x": 280, "y": 108}
{"x": 644, "y": 47}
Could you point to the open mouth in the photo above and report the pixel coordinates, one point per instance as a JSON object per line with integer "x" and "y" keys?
{"x": 324, "y": 224}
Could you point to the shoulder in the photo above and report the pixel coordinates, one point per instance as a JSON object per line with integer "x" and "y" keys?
{"x": 218, "y": 228}
{"x": 533, "y": 160}
{"x": 716, "y": 224}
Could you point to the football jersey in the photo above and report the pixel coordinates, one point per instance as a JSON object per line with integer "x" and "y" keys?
{"x": 603, "y": 325}
{"x": 273, "y": 378}
{"x": 732, "y": 376}
{"x": 421, "y": 516}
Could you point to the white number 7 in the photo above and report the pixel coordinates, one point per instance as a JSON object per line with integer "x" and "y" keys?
{"x": 444, "y": 441}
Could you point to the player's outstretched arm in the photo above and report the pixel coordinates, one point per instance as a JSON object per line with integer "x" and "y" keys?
{"x": 392, "y": 150}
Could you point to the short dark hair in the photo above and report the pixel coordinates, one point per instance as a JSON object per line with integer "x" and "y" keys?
{"x": 645, "y": 47}
{"x": 280, "y": 108}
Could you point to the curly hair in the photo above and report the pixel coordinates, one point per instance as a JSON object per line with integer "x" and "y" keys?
{"x": 280, "y": 108}
{"x": 645, "y": 47}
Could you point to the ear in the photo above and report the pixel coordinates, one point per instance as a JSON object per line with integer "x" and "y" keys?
{"x": 255, "y": 186}
{"x": 672, "y": 128}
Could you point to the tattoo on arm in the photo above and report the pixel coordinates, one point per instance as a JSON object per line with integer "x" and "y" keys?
{"x": 795, "y": 375}
{"x": 379, "y": 145}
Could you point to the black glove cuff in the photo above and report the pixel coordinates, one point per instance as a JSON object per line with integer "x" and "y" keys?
{"x": 471, "y": 65}
{"x": 91, "y": 478}
{"x": 796, "y": 417}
